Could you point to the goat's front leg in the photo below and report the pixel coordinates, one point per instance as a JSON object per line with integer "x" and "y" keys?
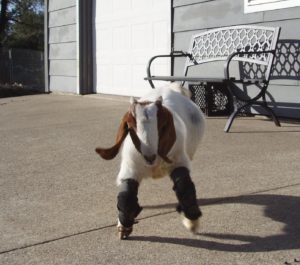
{"x": 128, "y": 207}
{"x": 186, "y": 195}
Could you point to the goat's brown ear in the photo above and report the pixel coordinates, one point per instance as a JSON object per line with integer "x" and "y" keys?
{"x": 110, "y": 153}
{"x": 166, "y": 132}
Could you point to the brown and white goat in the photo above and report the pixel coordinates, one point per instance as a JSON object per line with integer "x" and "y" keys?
{"x": 159, "y": 135}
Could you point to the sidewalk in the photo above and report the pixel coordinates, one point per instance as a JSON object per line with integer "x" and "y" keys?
{"x": 58, "y": 198}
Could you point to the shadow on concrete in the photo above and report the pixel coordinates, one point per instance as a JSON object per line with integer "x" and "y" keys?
{"x": 15, "y": 91}
{"x": 279, "y": 208}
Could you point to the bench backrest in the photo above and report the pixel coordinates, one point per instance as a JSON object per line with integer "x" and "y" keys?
{"x": 218, "y": 44}
{"x": 286, "y": 63}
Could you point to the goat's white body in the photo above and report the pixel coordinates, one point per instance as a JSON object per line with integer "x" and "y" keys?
{"x": 189, "y": 125}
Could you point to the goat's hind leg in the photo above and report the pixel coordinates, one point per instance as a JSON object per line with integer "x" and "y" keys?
{"x": 128, "y": 207}
{"x": 186, "y": 195}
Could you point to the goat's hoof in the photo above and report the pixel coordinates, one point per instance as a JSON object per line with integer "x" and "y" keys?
{"x": 123, "y": 232}
{"x": 191, "y": 225}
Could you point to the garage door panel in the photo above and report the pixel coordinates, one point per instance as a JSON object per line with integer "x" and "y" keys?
{"x": 138, "y": 74}
{"x": 161, "y": 29}
{"x": 121, "y": 38}
{"x": 121, "y": 78}
{"x": 141, "y": 36}
{"x": 105, "y": 75}
{"x": 103, "y": 8}
{"x": 128, "y": 33}
{"x": 104, "y": 43}
{"x": 121, "y": 5}
{"x": 142, "y": 4}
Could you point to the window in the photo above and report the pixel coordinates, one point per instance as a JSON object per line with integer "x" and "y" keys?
{"x": 263, "y": 5}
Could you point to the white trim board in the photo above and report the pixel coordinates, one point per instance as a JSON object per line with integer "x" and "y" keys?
{"x": 251, "y": 6}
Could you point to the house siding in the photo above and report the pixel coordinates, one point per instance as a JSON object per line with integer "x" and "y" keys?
{"x": 62, "y": 45}
{"x": 194, "y": 16}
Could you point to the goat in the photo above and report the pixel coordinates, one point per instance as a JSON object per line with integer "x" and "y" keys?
{"x": 165, "y": 128}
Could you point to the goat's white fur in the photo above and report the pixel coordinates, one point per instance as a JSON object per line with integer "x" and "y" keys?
{"x": 189, "y": 126}
{"x": 147, "y": 131}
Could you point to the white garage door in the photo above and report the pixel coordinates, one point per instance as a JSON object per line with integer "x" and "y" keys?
{"x": 128, "y": 33}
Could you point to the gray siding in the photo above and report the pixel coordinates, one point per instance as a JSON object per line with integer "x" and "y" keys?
{"x": 63, "y": 83}
{"x": 62, "y": 17}
{"x": 191, "y": 16}
{"x": 60, "y": 4}
{"x": 62, "y": 51}
{"x": 62, "y": 41}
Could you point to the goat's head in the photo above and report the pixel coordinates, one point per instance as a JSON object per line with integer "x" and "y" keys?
{"x": 151, "y": 128}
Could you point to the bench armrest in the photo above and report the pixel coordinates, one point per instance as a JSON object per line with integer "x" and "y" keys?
{"x": 231, "y": 56}
{"x": 173, "y": 54}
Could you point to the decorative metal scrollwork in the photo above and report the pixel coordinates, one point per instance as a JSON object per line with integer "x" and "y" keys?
{"x": 218, "y": 44}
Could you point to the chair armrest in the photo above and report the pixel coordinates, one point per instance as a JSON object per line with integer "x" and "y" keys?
{"x": 173, "y": 54}
{"x": 231, "y": 56}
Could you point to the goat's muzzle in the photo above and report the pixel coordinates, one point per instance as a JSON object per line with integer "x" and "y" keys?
{"x": 150, "y": 159}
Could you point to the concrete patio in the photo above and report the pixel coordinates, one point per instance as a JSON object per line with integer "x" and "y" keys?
{"x": 58, "y": 198}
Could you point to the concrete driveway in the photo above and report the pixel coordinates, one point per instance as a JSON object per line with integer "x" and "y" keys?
{"x": 58, "y": 198}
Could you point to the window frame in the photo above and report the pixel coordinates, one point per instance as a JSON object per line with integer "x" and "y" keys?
{"x": 251, "y": 6}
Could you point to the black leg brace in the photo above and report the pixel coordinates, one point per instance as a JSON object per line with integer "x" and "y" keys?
{"x": 128, "y": 205}
{"x": 186, "y": 193}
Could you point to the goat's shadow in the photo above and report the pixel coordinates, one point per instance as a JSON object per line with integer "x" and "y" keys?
{"x": 279, "y": 208}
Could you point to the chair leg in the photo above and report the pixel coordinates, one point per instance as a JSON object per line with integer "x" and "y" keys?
{"x": 236, "y": 111}
{"x": 233, "y": 115}
{"x": 230, "y": 121}
{"x": 271, "y": 112}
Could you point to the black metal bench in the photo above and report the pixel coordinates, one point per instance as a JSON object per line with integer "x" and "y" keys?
{"x": 250, "y": 46}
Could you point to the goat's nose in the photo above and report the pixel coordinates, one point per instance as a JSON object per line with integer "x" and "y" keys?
{"x": 150, "y": 159}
